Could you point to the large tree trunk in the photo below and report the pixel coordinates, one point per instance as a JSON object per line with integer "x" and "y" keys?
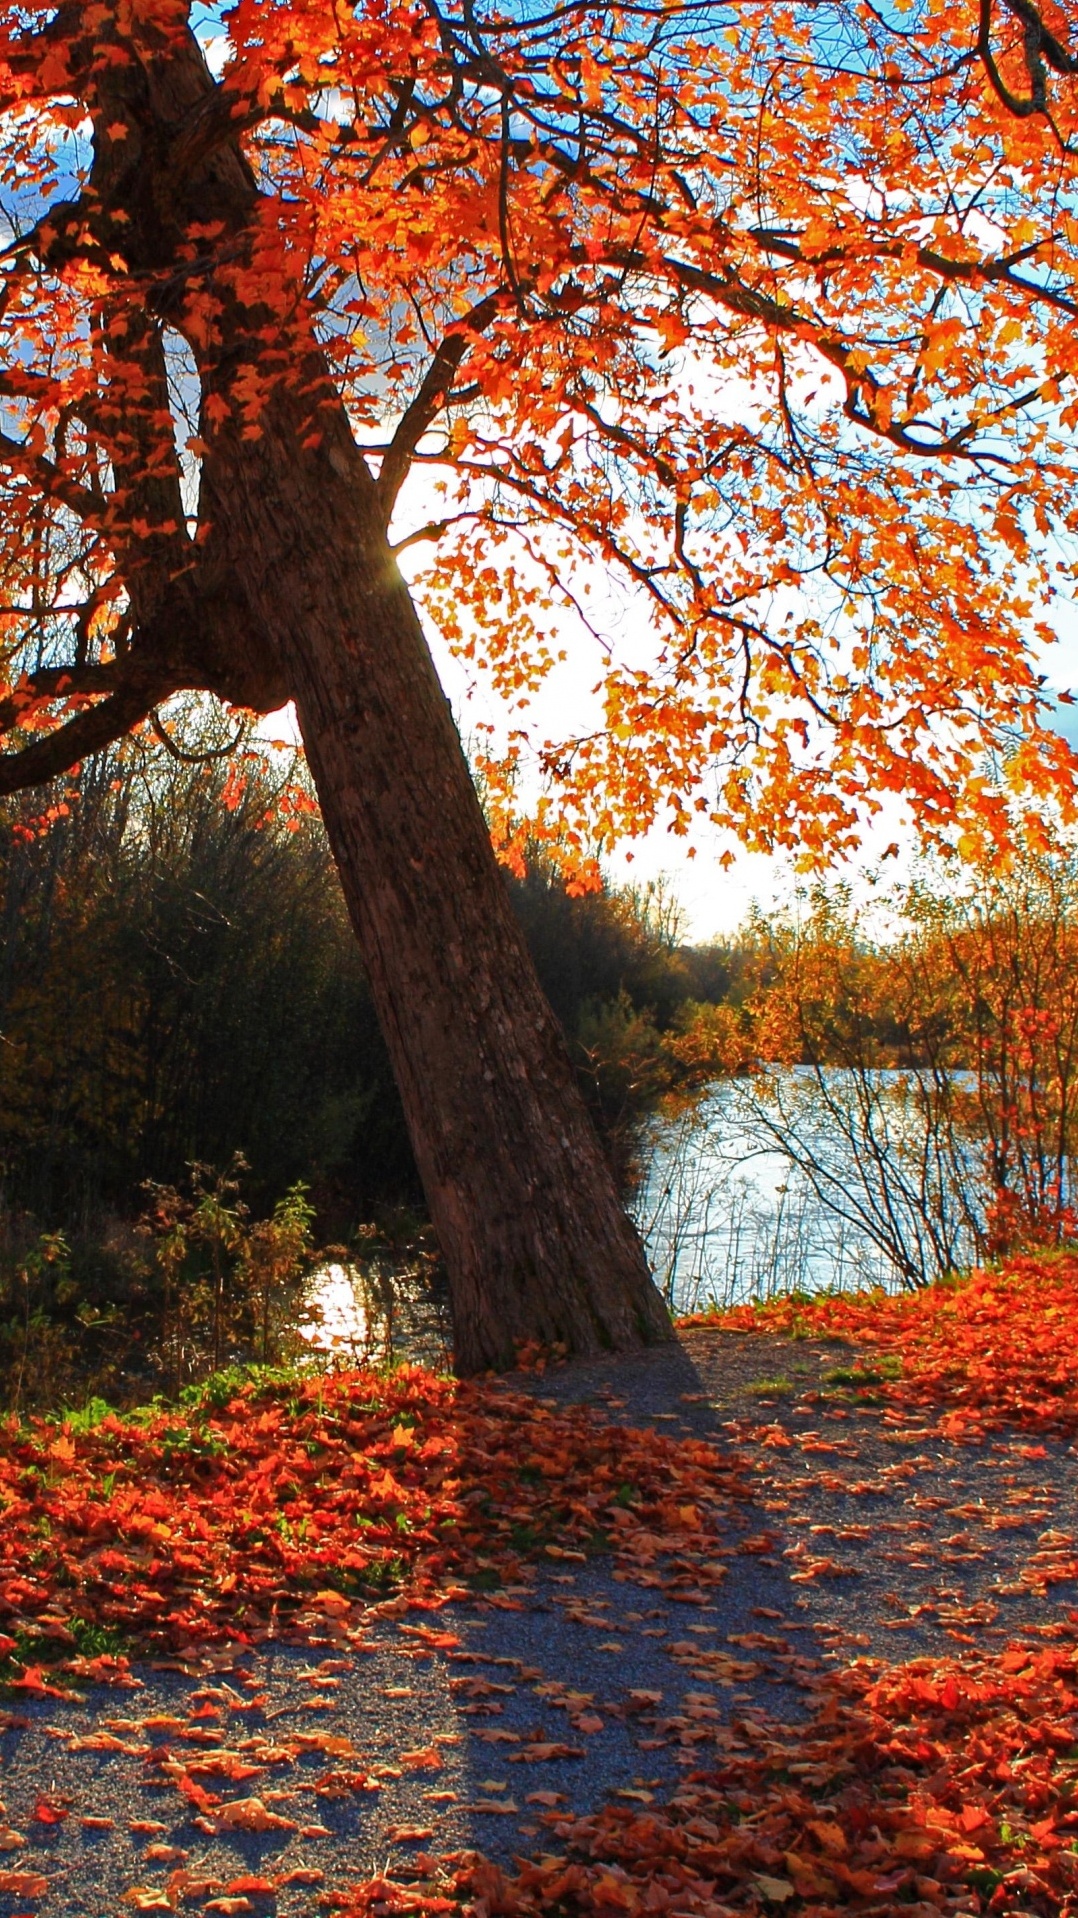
{"x": 536, "y": 1243}
{"x": 292, "y": 587}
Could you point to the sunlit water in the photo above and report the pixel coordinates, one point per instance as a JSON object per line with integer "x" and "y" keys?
{"x": 774, "y": 1184}
{"x": 372, "y": 1312}
{"x": 725, "y": 1214}
{"x": 335, "y": 1317}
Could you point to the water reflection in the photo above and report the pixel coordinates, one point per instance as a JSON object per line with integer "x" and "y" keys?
{"x": 803, "y": 1180}
{"x": 377, "y": 1311}
{"x": 789, "y": 1180}
{"x": 335, "y": 1318}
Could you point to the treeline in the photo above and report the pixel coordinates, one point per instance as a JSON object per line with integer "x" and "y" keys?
{"x": 943, "y": 1048}
{"x": 179, "y": 982}
{"x": 179, "y": 985}
{"x": 190, "y": 1062}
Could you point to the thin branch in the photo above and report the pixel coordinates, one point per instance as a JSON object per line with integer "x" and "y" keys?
{"x": 48, "y": 478}
{"x": 432, "y": 530}
{"x": 194, "y": 759}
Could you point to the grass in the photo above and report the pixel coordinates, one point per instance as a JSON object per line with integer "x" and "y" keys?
{"x": 886, "y": 1368}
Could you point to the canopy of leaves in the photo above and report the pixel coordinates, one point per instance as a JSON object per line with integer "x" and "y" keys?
{"x": 762, "y": 317}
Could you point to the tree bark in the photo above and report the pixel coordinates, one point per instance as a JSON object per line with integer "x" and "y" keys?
{"x": 535, "y": 1240}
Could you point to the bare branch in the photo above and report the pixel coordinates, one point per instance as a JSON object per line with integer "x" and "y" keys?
{"x": 194, "y": 759}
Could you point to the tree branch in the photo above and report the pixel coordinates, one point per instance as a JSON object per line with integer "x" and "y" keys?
{"x": 219, "y": 117}
{"x": 424, "y": 408}
{"x": 194, "y": 759}
{"x": 57, "y": 752}
{"x": 58, "y": 682}
{"x": 48, "y": 478}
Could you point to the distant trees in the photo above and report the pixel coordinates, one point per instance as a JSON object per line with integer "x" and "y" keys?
{"x": 179, "y": 981}
{"x": 956, "y": 1044}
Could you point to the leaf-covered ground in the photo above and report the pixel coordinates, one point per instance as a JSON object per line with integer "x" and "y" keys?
{"x": 361, "y": 1612}
{"x": 999, "y": 1347}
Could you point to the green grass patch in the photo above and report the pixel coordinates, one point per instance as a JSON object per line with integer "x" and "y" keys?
{"x": 883, "y": 1370}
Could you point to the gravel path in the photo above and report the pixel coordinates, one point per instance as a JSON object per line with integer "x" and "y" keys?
{"x": 437, "y": 1731}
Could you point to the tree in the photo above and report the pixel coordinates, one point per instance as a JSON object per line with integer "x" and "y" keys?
{"x": 735, "y": 302}
{"x": 938, "y": 1110}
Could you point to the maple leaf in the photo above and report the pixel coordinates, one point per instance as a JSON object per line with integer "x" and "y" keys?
{"x": 775, "y": 1890}
{"x": 427, "y": 1758}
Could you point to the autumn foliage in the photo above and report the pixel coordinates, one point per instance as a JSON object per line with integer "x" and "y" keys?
{"x": 256, "y": 1501}
{"x": 819, "y": 440}
{"x": 995, "y": 1347}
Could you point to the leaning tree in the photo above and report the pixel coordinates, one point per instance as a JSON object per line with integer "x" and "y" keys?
{"x": 764, "y": 311}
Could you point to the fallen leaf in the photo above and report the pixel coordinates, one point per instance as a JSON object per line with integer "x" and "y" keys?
{"x": 47, "y": 1812}
{"x": 775, "y": 1890}
{"x": 250, "y": 1814}
{"x": 23, "y": 1884}
{"x": 333, "y": 1604}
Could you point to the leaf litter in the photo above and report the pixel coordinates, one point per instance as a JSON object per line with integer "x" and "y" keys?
{"x": 946, "y": 1783}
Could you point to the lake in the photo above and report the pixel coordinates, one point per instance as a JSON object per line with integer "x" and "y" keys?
{"x": 789, "y": 1180}
{"x": 797, "y": 1180}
